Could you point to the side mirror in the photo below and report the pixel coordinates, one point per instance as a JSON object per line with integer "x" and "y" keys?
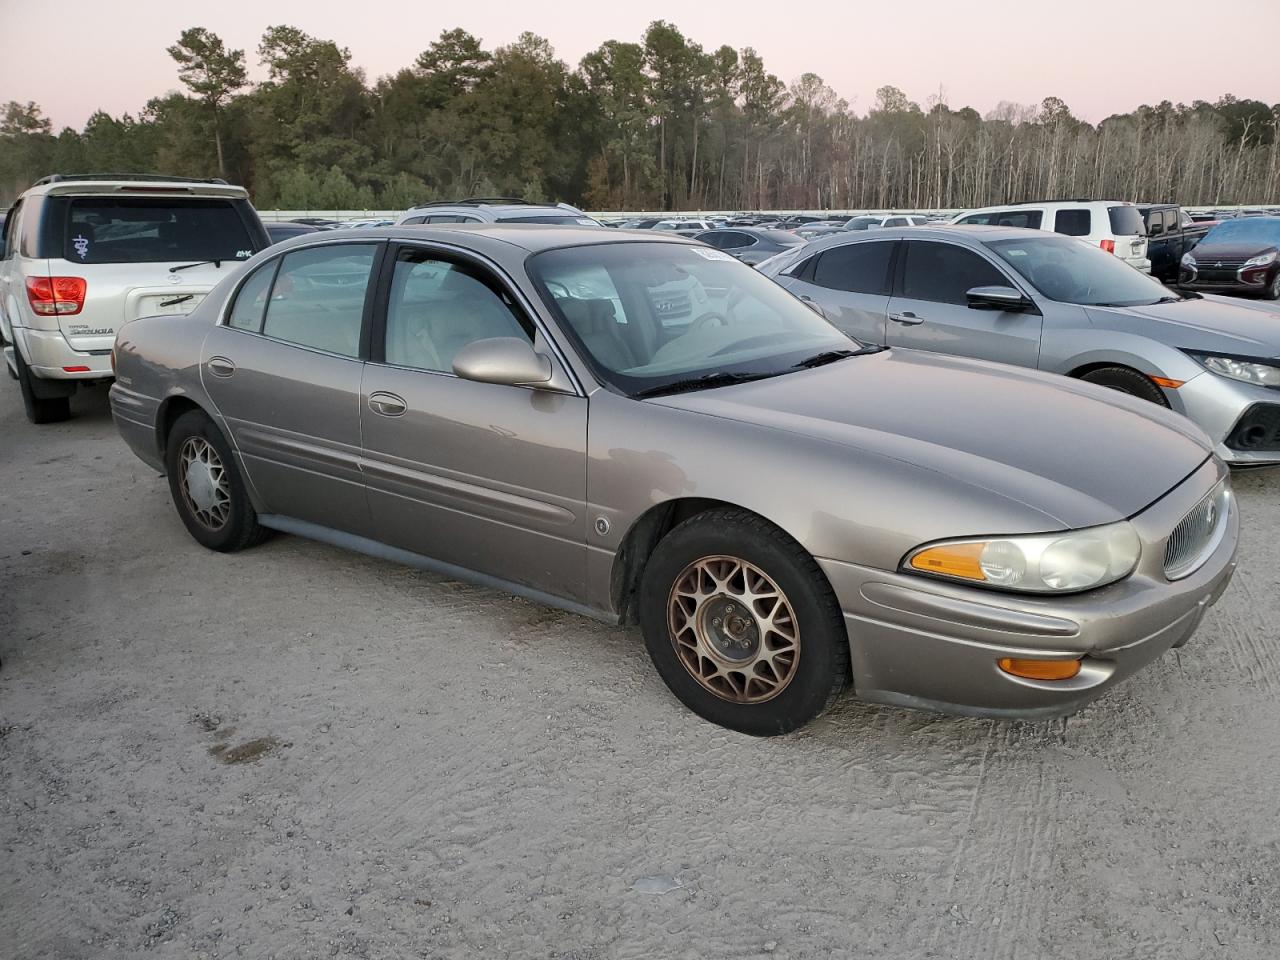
{"x": 508, "y": 360}
{"x": 997, "y": 298}
{"x": 814, "y": 306}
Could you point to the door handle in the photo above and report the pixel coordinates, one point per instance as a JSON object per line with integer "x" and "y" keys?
{"x": 907, "y": 319}
{"x": 387, "y": 404}
{"x": 221, "y": 366}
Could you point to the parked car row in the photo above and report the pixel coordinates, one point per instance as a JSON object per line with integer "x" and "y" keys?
{"x": 543, "y": 405}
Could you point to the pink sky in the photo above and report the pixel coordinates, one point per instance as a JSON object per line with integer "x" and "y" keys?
{"x": 1100, "y": 56}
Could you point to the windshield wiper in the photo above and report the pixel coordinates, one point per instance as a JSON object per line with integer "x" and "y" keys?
{"x": 199, "y": 263}
{"x": 831, "y": 356}
{"x": 705, "y": 382}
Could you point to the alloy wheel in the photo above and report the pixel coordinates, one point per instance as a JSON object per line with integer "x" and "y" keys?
{"x": 205, "y": 486}
{"x": 733, "y": 629}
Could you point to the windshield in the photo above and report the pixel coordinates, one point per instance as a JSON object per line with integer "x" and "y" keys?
{"x": 647, "y": 315}
{"x": 1252, "y": 230}
{"x": 1071, "y": 271}
{"x": 154, "y": 230}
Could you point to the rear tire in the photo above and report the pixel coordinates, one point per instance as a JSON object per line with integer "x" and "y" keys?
{"x": 38, "y": 409}
{"x": 1128, "y": 381}
{"x": 742, "y": 625}
{"x": 207, "y": 488}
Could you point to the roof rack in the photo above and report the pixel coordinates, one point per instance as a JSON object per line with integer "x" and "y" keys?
{"x": 1021, "y": 203}
{"x": 144, "y": 177}
{"x": 476, "y": 202}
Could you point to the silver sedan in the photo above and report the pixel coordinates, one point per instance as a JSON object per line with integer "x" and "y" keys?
{"x": 644, "y": 430}
{"x": 1040, "y": 300}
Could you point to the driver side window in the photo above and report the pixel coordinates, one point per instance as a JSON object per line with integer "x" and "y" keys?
{"x": 944, "y": 273}
{"x": 438, "y": 306}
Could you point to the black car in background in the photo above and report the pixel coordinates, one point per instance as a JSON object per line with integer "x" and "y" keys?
{"x": 288, "y": 229}
{"x": 1236, "y": 256}
{"x": 750, "y": 244}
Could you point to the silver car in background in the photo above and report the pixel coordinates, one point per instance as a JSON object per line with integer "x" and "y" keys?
{"x": 784, "y": 511}
{"x": 1034, "y": 299}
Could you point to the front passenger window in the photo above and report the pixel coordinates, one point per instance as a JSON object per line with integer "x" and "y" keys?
{"x": 437, "y": 307}
{"x": 318, "y": 297}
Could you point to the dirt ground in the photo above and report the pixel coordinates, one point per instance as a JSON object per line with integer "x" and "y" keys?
{"x": 297, "y": 752}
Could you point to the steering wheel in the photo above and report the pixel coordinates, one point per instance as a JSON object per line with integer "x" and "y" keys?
{"x": 706, "y": 319}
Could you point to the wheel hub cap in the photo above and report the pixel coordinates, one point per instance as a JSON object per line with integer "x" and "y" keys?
{"x": 733, "y": 629}
{"x": 205, "y": 487}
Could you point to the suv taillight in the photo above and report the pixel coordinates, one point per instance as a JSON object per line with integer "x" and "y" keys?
{"x": 1108, "y": 245}
{"x": 52, "y": 296}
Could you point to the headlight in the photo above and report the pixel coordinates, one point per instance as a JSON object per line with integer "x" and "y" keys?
{"x": 1235, "y": 368}
{"x": 1261, "y": 260}
{"x": 1188, "y": 260}
{"x": 1051, "y": 563}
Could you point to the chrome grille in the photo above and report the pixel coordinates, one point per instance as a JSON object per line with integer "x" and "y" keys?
{"x": 1198, "y": 533}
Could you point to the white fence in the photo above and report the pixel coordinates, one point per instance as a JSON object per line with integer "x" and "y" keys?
{"x": 276, "y": 215}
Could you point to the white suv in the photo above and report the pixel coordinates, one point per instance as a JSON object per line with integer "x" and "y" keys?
{"x": 1114, "y": 225}
{"x": 85, "y": 254}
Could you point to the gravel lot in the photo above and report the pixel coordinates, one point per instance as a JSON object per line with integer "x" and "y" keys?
{"x": 299, "y": 752}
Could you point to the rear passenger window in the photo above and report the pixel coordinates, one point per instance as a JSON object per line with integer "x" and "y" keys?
{"x": 978, "y": 219}
{"x": 251, "y": 301}
{"x": 1028, "y": 219}
{"x": 855, "y": 267}
{"x": 438, "y": 307}
{"x": 944, "y": 273}
{"x": 318, "y": 297}
{"x": 1073, "y": 223}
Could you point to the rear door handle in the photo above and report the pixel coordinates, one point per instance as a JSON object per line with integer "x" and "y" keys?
{"x": 221, "y": 366}
{"x": 387, "y": 404}
{"x": 907, "y": 319}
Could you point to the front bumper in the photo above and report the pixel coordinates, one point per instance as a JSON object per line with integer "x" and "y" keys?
{"x": 1224, "y": 409}
{"x": 50, "y": 357}
{"x": 927, "y": 643}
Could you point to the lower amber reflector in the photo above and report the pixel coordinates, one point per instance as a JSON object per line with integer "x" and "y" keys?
{"x": 1040, "y": 669}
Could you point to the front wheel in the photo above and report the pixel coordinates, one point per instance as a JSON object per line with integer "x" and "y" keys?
{"x": 742, "y": 625}
{"x": 1273, "y": 288}
{"x": 1127, "y": 381}
{"x": 206, "y": 487}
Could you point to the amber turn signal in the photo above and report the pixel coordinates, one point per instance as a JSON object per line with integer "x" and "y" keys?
{"x": 1040, "y": 669}
{"x": 952, "y": 560}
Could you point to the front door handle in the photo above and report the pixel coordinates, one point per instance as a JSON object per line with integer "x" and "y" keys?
{"x": 221, "y": 366}
{"x": 907, "y": 319}
{"x": 387, "y": 404}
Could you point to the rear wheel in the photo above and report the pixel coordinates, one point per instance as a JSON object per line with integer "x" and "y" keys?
{"x": 1128, "y": 381}
{"x": 742, "y": 625}
{"x": 207, "y": 489}
{"x": 39, "y": 409}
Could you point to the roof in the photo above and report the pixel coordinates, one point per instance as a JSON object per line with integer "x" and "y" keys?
{"x": 531, "y": 237}
{"x": 133, "y": 184}
{"x": 974, "y": 233}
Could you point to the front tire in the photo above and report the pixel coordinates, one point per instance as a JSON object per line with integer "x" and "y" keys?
{"x": 1127, "y": 381}
{"x": 38, "y": 409}
{"x": 1273, "y": 288}
{"x": 742, "y": 625}
{"x": 206, "y": 486}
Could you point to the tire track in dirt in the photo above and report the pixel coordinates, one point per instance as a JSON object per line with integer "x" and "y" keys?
{"x": 996, "y": 894}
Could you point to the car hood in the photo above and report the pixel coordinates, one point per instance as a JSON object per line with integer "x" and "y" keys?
{"x": 1228, "y": 325}
{"x": 1230, "y": 250}
{"x": 1077, "y": 454}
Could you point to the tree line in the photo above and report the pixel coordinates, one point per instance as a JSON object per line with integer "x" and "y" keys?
{"x": 662, "y": 124}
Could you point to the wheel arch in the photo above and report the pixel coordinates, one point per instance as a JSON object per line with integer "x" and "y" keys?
{"x": 644, "y": 534}
{"x": 170, "y": 409}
